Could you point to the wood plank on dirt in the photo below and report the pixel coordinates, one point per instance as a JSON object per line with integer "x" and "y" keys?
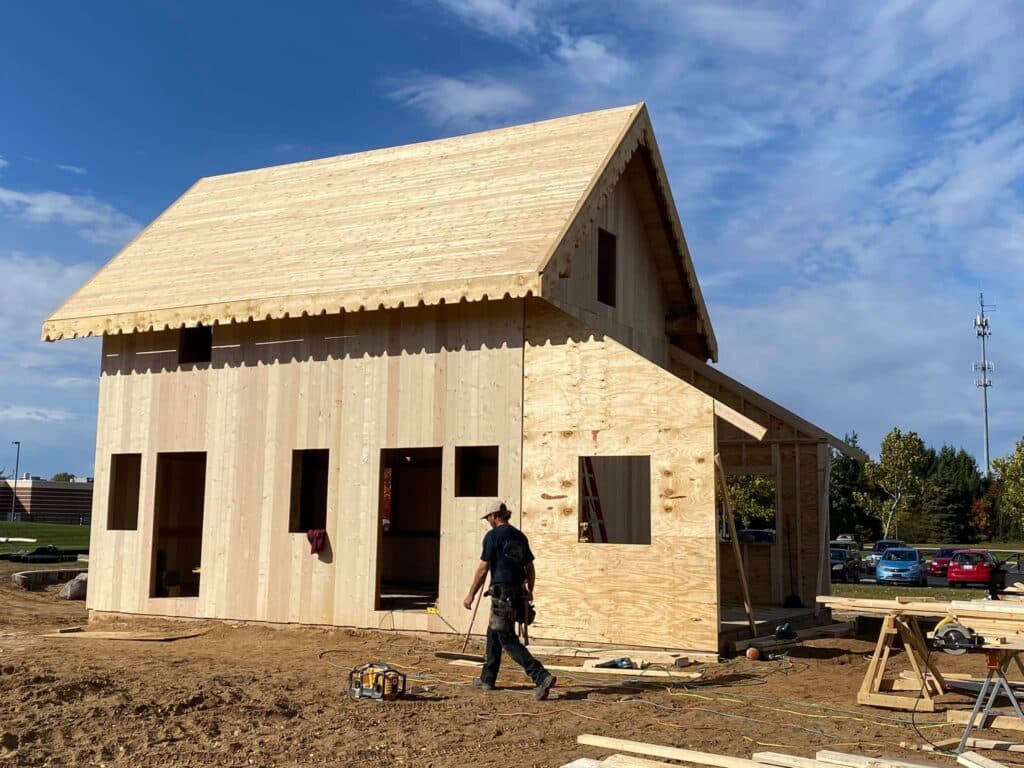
{"x": 671, "y": 753}
{"x": 974, "y": 760}
{"x": 157, "y": 637}
{"x": 786, "y": 761}
{"x": 630, "y": 673}
{"x": 1000, "y": 722}
{"x": 632, "y": 761}
{"x": 864, "y": 761}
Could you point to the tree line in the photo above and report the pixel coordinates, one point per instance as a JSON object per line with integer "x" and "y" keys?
{"x": 921, "y": 494}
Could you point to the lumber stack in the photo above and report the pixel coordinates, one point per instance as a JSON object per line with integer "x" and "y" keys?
{"x": 627, "y": 755}
{"x": 989, "y": 618}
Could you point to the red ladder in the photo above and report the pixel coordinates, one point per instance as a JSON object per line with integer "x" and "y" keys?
{"x": 593, "y": 527}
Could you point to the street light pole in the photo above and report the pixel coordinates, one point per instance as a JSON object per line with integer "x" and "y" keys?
{"x": 14, "y": 489}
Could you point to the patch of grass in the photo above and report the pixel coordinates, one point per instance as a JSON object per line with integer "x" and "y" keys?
{"x": 873, "y": 591}
{"x": 44, "y": 533}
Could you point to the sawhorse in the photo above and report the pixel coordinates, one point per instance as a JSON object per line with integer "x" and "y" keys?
{"x": 873, "y": 691}
{"x": 995, "y": 685}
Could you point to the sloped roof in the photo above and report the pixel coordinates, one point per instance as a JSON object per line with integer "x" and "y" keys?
{"x": 467, "y": 218}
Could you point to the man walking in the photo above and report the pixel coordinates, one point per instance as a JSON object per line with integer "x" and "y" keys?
{"x": 506, "y": 554}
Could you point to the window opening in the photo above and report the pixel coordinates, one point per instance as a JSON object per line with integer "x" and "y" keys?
{"x": 123, "y": 498}
{"x": 606, "y": 267}
{"x": 615, "y": 499}
{"x": 310, "y": 469}
{"x": 476, "y": 471}
{"x": 195, "y": 345}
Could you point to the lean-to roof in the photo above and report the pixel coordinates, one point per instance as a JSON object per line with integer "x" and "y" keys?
{"x": 467, "y": 218}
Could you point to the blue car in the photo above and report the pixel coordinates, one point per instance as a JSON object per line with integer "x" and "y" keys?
{"x": 901, "y": 565}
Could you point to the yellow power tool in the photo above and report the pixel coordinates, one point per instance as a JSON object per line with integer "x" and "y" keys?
{"x": 376, "y": 680}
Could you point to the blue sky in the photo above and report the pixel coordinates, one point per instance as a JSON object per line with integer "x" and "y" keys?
{"x": 849, "y": 175}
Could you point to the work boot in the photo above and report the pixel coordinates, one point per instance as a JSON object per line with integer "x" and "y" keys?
{"x": 544, "y": 687}
{"x": 483, "y": 685}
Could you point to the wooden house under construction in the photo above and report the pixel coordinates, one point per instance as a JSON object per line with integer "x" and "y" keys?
{"x": 382, "y": 345}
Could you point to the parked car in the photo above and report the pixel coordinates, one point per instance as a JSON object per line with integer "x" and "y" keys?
{"x": 901, "y": 565}
{"x": 752, "y": 535}
{"x": 879, "y": 548}
{"x": 847, "y": 538}
{"x": 940, "y": 561}
{"x": 853, "y": 552}
{"x": 843, "y": 567}
{"x": 975, "y": 566}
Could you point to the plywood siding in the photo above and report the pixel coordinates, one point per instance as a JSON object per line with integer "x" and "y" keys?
{"x": 638, "y": 318}
{"x": 588, "y": 394}
{"x": 354, "y": 384}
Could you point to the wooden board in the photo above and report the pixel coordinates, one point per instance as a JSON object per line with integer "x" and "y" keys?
{"x": 974, "y": 760}
{"x": 999, "y": 722}
{"x": 786, "y": 761}
{"x": 586, "y": 394}
{"x": 864, "y": 761}
{"x": 652, "y": 672}
{"x": 672, "y": 753}
{"x": 148, "y": 637}
{"x": 631, "y": 761}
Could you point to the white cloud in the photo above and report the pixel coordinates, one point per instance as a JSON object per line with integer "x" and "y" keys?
{"x": 73, "y": 382}
{"x": 589, "y": 60}
{"x": 748, "y": 29}
{"x": 31, "y": 413}
{"x": 3, "y": 162}
{"x": 97, "y": 221}
{"x": 510, "y": 19}
{"x": 448, "y": 100}
{"x": 76, "y": 169}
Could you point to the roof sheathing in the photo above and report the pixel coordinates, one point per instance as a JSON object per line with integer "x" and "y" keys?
{"x": 462, "y": 219}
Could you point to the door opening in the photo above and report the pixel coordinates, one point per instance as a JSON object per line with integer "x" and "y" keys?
{"x": 409, "y": 547}
{"x": 178, "y": 524}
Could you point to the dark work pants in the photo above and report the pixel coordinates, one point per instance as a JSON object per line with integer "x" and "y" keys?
{"x": 496, "y": 641}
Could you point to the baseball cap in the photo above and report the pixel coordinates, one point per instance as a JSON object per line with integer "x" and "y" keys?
{"x": 500, "y": 510}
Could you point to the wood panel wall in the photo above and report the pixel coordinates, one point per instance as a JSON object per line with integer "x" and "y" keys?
{"x": 587, "y": 394}
{"x": 354, "y": 384}
{"x": 638, "y": 318}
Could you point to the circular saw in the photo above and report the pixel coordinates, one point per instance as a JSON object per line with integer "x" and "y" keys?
{"x": 954, "y": 638}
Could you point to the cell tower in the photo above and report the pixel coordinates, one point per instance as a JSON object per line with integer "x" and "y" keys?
{"x": 984, "y": 368}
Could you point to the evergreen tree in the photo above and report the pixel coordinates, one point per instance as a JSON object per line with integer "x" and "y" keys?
{"x": 953, "y": 484}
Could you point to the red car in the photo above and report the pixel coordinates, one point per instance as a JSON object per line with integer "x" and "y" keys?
{"x": 939, "y": 563}
{"x": 975, "y": 566}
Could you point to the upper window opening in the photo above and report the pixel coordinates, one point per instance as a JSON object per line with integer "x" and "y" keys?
{"x": 196, "y": 345}
{"x": 476, "y": 470}
{"x": 606, "y": 267}
{"x": 309, "y": 490}
{"x": 615, "y": 499}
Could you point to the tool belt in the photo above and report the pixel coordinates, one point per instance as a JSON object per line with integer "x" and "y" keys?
{"x": 509, "y": 606}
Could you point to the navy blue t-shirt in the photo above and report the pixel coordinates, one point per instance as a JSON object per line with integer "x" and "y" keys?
{"x": 508, "y": 551}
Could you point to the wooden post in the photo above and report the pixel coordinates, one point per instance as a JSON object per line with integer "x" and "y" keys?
{"x": 720, "y": 476}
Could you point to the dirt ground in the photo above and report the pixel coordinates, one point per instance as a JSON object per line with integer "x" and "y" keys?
{"x": 258, "y": 696}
